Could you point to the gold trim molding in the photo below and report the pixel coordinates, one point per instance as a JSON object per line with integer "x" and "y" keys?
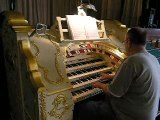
{"x": 32, "y": 63}
{"x": 58, "y": 111}
{"x": 17, "y": 21}
{"x": 42, "y": 104}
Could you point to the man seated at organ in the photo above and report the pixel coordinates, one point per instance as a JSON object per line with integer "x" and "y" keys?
{"x": 135, "y": 90}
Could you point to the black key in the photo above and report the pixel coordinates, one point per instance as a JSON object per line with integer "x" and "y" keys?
{"x": 73, "y": 93}
{"x": 73, "y": 73}
{"x": 73, "y": 65}
{"x": 73, "y": 83}
{"x": 83, "y": 71}
{"x": 69, "y": 74}
{"x": 78, "y": 81}
{"x": 78, "y": 72}
{"x": 84, "y": 80}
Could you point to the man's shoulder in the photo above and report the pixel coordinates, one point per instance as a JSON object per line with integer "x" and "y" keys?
{"x": 133, "y": 58}
{"x": 137, "y": 58}
{"x": 142, "y": 58}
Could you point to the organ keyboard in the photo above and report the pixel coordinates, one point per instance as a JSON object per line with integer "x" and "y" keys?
{"x": 84, "y": 69}
{"x": 82, "y": 73}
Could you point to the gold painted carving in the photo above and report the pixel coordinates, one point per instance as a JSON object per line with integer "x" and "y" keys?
{"x": 60, "y": 106}
{"x": 31, "y": 62}
{"x": 110, "y": 49}
{"x": 56, "y": 58}
{"x": 58, "y": 91}
{"x": 18, "y": 22}
{"x": 42, "y": 104}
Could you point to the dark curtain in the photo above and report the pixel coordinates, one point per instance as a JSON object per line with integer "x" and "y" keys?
{"x": 111, "y": 9}
{"x": 45, "y": 11}
{"x": 132, "y": 11}
{"x": 4, "y": 5}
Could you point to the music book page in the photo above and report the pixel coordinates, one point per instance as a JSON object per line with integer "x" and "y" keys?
{"x": 91, "y": 28}
{"x": 82, "y": 27}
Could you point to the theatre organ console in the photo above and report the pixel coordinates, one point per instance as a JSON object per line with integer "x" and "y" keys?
{"x": 52, "y": 71}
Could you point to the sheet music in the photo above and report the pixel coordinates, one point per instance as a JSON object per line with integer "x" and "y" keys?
{"x": 77, "y": 28}
{"x": 91, "y": 28}
{"x": 82, "y": 27}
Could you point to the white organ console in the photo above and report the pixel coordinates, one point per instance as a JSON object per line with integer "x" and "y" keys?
{"x": 61, "y": 69}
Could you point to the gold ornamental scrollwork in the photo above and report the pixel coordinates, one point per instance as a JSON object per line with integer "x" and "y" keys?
{"x": 42, "y": 104}
{"x": 113, "y": 50}
{"x": 45, "y": 70}
{"x": 56, "y": 58}
{"x": 60, "y": 106}
{"x": 31, "y": 63}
